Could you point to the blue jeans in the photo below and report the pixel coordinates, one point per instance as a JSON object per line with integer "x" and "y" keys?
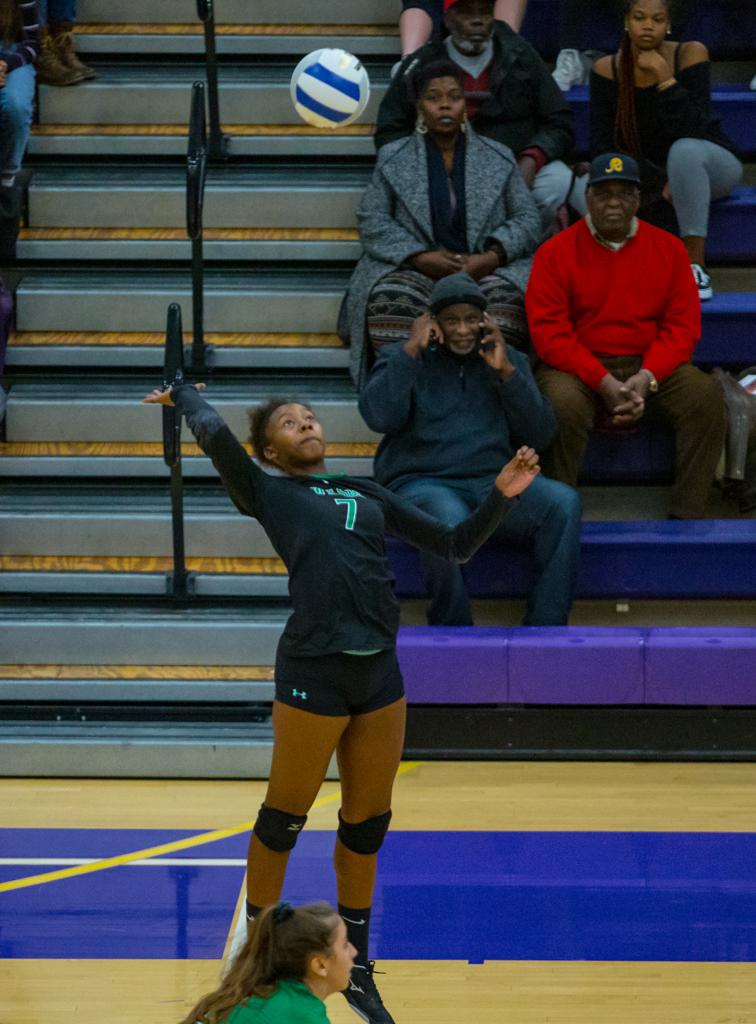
{"x": 16, "y": 104}
{"x": 546, "y": 518}
{"x": 56, "y": 10}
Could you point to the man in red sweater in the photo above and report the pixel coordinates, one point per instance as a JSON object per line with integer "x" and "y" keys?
{"x": 614, "y": 316}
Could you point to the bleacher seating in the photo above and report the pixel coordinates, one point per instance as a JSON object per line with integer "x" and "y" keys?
{"x": 85, "y": 538}
{"x": 579, "y": 665}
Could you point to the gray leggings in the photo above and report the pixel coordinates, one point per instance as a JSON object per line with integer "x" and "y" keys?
{"x": 699, "y": 171}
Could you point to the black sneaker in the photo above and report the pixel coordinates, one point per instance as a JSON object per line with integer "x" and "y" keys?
{"x": 364, "y": 998}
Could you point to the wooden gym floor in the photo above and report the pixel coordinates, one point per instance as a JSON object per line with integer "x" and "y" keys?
{"x": 517, "y": 892}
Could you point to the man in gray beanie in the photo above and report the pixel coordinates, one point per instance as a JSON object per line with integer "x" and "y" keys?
{"x": 454, "y": 402}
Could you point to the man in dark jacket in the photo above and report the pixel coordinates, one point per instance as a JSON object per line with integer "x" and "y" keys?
{"x": 455, "y": 402}
{"x": 511, "y": 97}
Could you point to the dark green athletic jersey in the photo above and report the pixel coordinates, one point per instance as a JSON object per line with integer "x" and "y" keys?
{"x": 291, "y": 1003}
{"x": 330, "y": 532}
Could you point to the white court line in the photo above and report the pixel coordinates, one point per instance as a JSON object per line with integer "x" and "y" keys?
{"x": 239, "y": 937}
{"x": 152, "y": 862}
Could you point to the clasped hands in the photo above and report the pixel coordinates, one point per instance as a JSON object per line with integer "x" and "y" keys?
{"x": 438, "y": 263}
{"x": 625, "y": 400}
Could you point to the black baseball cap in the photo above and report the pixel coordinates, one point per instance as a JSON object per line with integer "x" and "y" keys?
{"x": 613, "y": 167}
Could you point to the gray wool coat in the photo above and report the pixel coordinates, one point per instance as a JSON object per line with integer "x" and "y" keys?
{"x": 395, "y": 223}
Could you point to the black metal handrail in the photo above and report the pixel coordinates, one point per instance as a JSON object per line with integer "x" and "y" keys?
{"x": 218, "y": 148}
{"x": 180, "y": 581}
{"x": 196, "y": 173}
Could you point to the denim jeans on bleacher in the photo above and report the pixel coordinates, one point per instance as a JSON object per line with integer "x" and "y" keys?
{"x": 16, "y": 105}
{"x": 56, "y": 10}
{"x": 545, "y": 518}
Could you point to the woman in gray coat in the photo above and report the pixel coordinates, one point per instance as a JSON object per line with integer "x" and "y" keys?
{"x": 441, "y": 201}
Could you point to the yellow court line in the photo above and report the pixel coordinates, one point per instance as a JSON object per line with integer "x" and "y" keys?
{"x": 157, "y": 851}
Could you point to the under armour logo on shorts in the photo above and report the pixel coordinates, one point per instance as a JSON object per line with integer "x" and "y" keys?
{"x": 299, "y": 693}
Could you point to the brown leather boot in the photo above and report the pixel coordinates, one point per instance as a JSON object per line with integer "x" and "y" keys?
{"x": 64, "y": 42}
{"x": 50, "y": 68}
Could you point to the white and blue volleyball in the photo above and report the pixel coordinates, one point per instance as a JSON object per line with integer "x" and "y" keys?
{"x": 330, "y": 88}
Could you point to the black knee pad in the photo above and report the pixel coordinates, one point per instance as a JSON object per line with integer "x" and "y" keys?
{"x": 278, "y": 830}
{"x": 366, "y": 836}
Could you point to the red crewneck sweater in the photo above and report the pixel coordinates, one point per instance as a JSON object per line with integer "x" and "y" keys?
{"x": 585, "y": 301}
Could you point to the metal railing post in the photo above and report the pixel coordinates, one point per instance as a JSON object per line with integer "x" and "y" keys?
{"x": 196, "y": 173}
{"x": 218, "y": 149}
{"x": 180, "y": 581}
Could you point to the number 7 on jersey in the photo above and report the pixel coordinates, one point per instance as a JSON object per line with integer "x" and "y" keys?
{"x": 351, "y": 504}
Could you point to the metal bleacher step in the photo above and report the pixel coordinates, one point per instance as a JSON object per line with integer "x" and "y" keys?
{"x": 80, "y": 213}
{"x": 142, "y": 683}
{"x": 160, "y": 95}
{"x": 152, "y": 244}
{"x": 241, "y": 12}
{"x": 287, "y": 195}
{"x": 234, "y": 40}
{"x": 97, "y": 349}
{"x": 170, "y": 140}
{"x": 284, "y": 301}
{"x": 117, "y": 114}
{"x": 133, "y": 212}
{"x": 668, "y": 560}
{"x": 114, "y": 349}
{"x": 109, "y": 409}
{"x": 39, "y": 632}
{"x": 112, "y": 460}
{"x": 83, "y": 745}
{"x": 732, "y": 237}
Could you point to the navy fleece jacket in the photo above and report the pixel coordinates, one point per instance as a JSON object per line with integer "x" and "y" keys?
{"x": 448, "y": 417}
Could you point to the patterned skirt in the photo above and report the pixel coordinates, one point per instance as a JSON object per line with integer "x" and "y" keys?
{"x": 402, "y": 296}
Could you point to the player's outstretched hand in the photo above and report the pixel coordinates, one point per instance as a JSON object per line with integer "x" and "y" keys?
{"x": 519, "y": 473}
{"x": 164, "y": 396}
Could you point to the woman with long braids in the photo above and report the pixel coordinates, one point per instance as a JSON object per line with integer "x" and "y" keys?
{"x": 652, "y": 100}
{"x": 338, "y": 684}
{"x": 293, "y": 959}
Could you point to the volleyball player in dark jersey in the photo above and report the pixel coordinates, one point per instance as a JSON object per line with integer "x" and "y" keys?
{"x": 337, "y": 681}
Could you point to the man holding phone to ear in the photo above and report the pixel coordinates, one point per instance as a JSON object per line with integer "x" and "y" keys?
{"x": 453, "y": 401}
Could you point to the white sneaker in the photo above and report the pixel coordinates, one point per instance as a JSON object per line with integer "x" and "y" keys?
{"x": 703, "y": 281}
{"x": 568, "y": 70}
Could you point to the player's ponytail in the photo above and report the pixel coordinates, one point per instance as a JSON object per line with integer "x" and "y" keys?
{"x": 282, "y": 941}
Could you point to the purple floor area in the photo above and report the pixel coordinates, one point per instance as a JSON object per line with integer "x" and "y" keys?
{"x": 441, "y": 895}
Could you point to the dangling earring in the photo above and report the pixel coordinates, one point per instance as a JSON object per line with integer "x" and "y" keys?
{"x": 465, "y": 123}
{"x": 669, "y": 31}
{"x": 420, "y": 126}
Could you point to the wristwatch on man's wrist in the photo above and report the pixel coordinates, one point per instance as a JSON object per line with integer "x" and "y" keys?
{"x": 653, "y": 383}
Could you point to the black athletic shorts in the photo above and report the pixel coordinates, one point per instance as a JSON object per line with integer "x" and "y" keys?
{"x": 339, "y": 684}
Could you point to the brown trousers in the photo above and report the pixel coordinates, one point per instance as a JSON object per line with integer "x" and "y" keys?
{"x": 689, "y": 401}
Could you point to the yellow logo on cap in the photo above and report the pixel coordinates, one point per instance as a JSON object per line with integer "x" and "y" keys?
{"x": 615, "y": 166}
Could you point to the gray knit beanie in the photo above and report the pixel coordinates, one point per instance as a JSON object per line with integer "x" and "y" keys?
{"x": 453, "y": 289}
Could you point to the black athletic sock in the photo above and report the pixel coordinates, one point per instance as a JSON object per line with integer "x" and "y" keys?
{"x": 358, "y": 928}
{"x": 252, "y": 911}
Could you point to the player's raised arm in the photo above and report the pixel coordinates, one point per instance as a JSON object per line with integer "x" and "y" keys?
{"x": 238, "y": 472}
{"x": 459, "y": 543}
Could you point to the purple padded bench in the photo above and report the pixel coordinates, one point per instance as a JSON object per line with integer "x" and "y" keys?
{"x": 579, "y": 665}
{"x": 652, "y": 558}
